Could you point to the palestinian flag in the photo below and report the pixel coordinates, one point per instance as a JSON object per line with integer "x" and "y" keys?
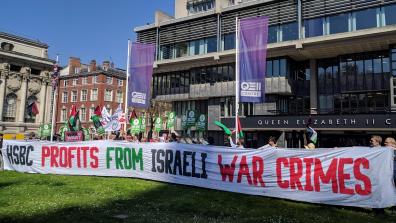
{"x": 132, "y": 116}
{"x": 96, "y": 121}
{"x": 312, "y": 135}
{"x": 74, "y": 122}
{"x": 32, "y": 109}
{"x": 239, "y": 130}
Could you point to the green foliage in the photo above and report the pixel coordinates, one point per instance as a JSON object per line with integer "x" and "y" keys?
{"x": 56, "y": 198}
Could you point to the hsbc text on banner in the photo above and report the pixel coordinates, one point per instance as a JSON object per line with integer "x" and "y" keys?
{"x": 253, "y": 35}
{"x": 140, "y": 74}
{"x": 356, "y": 176}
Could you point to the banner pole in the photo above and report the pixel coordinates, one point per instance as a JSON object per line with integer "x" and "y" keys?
{"x": 53, "y": 105}
{"x": 236, "y": 78}
{"x": 127, "y": 84}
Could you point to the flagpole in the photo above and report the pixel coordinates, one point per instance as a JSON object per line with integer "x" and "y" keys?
{"x": 236, "y": 78}
{"x": 127, "y": 82}
{"x": 53, "y": 104}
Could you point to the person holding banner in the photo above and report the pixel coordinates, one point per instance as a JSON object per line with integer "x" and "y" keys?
{"x": 375, "y": 141}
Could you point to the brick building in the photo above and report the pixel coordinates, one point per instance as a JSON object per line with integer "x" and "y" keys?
{"x": 87, "y": 86}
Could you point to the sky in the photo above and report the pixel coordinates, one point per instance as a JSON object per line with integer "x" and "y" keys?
{"x": 87, "y": 29}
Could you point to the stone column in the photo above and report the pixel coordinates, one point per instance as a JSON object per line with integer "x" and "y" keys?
{"x": 313, "y": 89}
{"x": 25, "y": 75}
{"x": 2, "y": 92}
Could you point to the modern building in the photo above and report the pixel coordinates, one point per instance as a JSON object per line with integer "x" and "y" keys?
{"x": 332, "y": 60}
{"x": 24, "y": 78}
{"x": 86, "y": 86}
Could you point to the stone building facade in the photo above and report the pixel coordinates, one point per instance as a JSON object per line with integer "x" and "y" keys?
{"x": 24, "y": 78}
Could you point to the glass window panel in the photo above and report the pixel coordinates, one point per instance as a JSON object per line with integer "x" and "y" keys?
{"x": 181, "y": 49}
{"x": 343, "y": 76}
{"x": 329, "y": 80}
{"x": 368, "y": 70}
{"x": 313, "y": 27}
{"x": 272, "y": 34}
{"x": 231, "y": 72}
{"x": 385, "y": 65}
{"x": 336, "y": 79}
{"x": 211, "y": 44}
{"x": 229, "y": 41}
{"x": 338, "y": 23}
{"x": 390, "y": 15}
{"x": 366, "y": 18}
{"x": 275, "y": 71}
{"x": 283, "y": 68}
{"x": 269, "y": 68}
{"x": 360, "y": 74}
{"x": 289, "y": 31}
{"x": 377, "y": 66}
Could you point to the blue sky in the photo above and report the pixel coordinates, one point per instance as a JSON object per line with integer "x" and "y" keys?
{"x": 88, "y": 29}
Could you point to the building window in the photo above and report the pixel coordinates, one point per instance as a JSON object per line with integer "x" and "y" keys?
{"x": 95, "y": 79}
{"x": 77, "y": 70}
{"x": 91, "y": 112}
{"x": 64, "y": 97}
{"x": 211, "y": 44}
{"x": 94, "y": 94}
{"x": 9, "y": 109}
{"x": 229, "y": 41}
{"x": 65, "y": 83}
{"x": 272, "y": 34}
{"x": 166, "y": 52}
{"x": 29, "y": 116}
{"x": 120, "y": 82}
{"x": 83, "y": 114}
{"x": 84, "y": 94}
{"x": 390, "y": 15}
{"x": 108, "y": 95}
{"x": 74, "y": 96}
{"x": 181, "y": 49}
{"x": 119, "y": 96}
{"x": 277, "y": 68}
{"x": 63, "y": 115}
{"x": 194, "y": 6}
{"x": 75, "y": 81}
{"x": 366, "y": 18}
{"x": 109, "y": 80}
{"x": 85, "y": 80}
{"x": 289, "y": 31}
{"x": 196, "y": 47}
{"x": 339, "y": 23}
{"x": 313, "y": 27}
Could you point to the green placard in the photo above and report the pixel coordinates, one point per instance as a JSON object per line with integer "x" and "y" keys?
{"x": 191, "y": 118}
{"x": 62, "y": 131}
{"x": 45, "y": 130}
{"x": 201, "y": 123}
{"x": 143, "y": 124}
{"x": 158, "y": 124}
{"x": 184, "y": 122}
{"x": 170, "y": 123}
{"x": 135, "y": 128}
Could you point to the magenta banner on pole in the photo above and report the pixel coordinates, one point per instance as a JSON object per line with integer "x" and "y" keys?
{"x": 253, "y": 35}
{"x": 140, "y": 72}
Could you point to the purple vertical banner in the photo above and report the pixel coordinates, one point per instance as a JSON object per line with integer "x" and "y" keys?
{"x": 253, "y": 35}
{"x": 140, "y": 74}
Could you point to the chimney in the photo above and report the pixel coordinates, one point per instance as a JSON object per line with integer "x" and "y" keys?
{"x": 74, "y": 63}
{"x": 106, "y": 65}
{"x": 92, "y": 66}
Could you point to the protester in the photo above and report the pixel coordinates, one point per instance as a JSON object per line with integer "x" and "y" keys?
{"x": 310, "y": 146}
{"x": 174, "y": 137}
{"x": 375, "y": 141}
{"x": 390, "y": 142}
{"x": 271, "y": 143}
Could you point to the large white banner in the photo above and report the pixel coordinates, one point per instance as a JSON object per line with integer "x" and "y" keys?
{"x": 357, "y": 176}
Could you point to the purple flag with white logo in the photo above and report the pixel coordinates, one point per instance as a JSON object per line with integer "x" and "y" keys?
{"x": 140, "y": 74}
{"x": 253, "y": 34}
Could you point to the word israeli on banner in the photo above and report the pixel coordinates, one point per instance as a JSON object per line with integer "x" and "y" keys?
{"x": 356, "y": 176}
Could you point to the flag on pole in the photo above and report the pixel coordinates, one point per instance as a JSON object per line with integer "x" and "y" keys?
{"x": 132, "y": 116}
{"x": 96, "y": 121}
{"x": 252, "y": 54}
{"x": 140, "y": 71}
{"x": 73, "y": 119}
{"x": 32, "y": 109}
{"x": 239, "y": 130}
{"x": 312, "y": 135}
